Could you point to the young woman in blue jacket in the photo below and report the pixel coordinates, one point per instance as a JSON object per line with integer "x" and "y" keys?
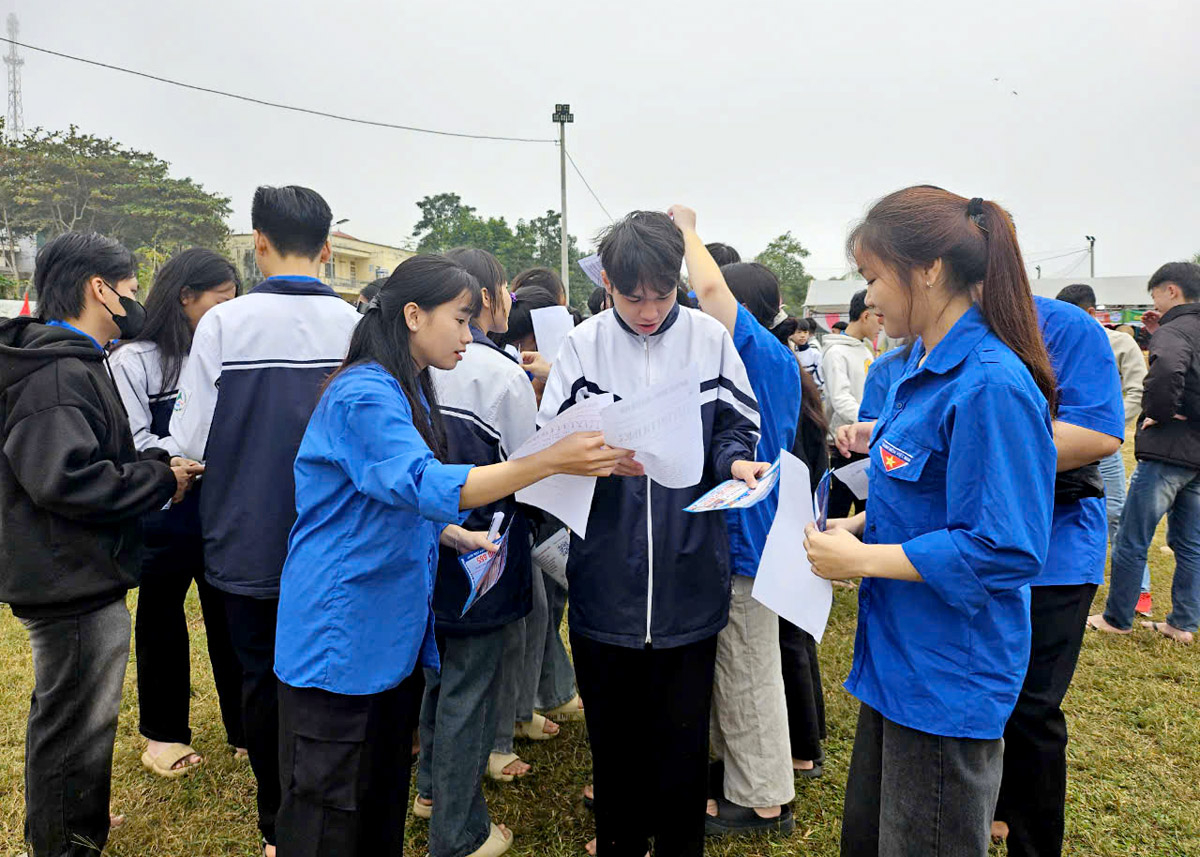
{"x": 962, "y": 493}
{"x": 355, "y": 612}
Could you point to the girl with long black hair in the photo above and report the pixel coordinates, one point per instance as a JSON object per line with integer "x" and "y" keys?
{"x": 147, "y": 370}
{"x": 374, "y": 501}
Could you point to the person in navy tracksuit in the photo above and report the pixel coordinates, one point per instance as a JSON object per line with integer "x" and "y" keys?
{"x": 251, "y": 382}
{"x": 356, "y": 608}
{"x": 488, "y": 409}
{"x": 146, "y": 370}
{"x": 650, "y": 584}
{"x": 962, "y": 492}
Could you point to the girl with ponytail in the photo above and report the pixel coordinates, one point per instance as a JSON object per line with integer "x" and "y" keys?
{"x": 962, "y": 491}
{"x": 373, "y": 501}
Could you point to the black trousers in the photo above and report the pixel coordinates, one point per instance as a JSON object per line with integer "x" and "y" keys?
{"x": 252, "y": 632}
{"x": 344, "y": 766}
{"x": 669, "y": 693}
{"x": 802, "y": 688}
{"x": 841, "y": 498}
{"x": 162, "y": 646}
{"x": 1033, "y": 793}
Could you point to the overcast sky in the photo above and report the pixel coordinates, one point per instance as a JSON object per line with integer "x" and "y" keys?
{"x": 764, "y": 115}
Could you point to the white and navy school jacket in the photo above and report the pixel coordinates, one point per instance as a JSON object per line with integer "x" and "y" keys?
{"x": 489, "y": 409}
{"x": 138, "y": 372}
{"x": 648, "y": 573}
{"x": 245, "y": 397}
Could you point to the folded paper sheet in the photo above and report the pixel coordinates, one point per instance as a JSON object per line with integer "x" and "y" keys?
{"x": 568, "y": 498}
{"x": 785, "y": 581}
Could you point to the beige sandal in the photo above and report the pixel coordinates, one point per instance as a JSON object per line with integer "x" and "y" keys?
{"x": 495, "y": 845}
{"x": 572, "y": 709}
{"x": 497, "y": 762}
{"x": 164, "y": 763}
{"x": 534, "y": 730}
{"x": 422, "y": 810}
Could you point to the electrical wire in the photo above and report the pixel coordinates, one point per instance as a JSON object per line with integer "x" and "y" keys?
{"x": 275, "y": 104}
{"x": 588, "y": 186}
{"x": 1059, "y": 256}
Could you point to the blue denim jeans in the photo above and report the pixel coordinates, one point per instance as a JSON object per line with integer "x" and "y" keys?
{"x": 1112, "y": 469}
{"x": 557, "y": 683}
{"x": 1158, "y": 489}
{"x": 78, "y": 672}
{"x": 458, "y": 723}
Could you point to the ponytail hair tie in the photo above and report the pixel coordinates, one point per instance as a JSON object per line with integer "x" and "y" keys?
{"x": 975, "y": 212}
{"x": 372, "y": 305}
{"x": 780, "y": 318}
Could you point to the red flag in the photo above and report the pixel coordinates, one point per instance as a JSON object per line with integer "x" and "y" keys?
{"x": 25, "y": 307}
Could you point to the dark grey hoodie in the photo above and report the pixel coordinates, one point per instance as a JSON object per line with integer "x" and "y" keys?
{"x": 73, "y": 487}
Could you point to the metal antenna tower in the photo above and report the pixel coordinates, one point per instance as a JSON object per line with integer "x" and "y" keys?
{"x": 15, "y": 122}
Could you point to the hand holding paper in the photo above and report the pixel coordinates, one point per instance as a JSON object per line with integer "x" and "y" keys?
{"x": 785, "y": 582}
{"x": 835, "y": 554}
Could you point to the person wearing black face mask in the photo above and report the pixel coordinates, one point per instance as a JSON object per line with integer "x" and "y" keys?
{"x": 133, "y": 316}
{"x": 73, "y": 491}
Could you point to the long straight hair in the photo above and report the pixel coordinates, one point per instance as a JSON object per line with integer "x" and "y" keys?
{"x": 383, "y": 336}
{"x": 914, "y": 227}
{"x": 193, "y": 271}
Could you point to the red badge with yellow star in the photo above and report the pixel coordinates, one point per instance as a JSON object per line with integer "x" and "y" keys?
{"x": 893, "y": 457}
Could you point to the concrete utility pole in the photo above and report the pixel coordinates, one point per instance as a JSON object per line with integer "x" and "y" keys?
{"x": 1091, "y": 239}
{"x": 14, "y": 125}
{"x": 563, "y": 115}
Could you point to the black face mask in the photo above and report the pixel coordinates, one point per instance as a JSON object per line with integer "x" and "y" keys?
{"x": 130, "y": 324}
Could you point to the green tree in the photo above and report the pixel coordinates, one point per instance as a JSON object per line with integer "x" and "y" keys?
{"x": 785, "y": 256}
{"x": 447, "y": 222}
{"x": 57, "y": 181}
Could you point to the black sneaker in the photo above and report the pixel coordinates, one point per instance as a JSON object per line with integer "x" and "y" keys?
{"x": 732, "y": 820}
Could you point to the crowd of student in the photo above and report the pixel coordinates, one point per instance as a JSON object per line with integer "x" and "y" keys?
{"x": 317, "y": 469}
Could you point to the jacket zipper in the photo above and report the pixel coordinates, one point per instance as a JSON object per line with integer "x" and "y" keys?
{"x": 649, "y": 525}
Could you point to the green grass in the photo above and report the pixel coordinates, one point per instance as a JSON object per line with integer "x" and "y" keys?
{"x": 1134, "y": 713}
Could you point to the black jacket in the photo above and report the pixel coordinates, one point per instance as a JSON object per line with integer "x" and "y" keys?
{"x": 73, "y": 488}
{"x": 1173, "y": 390}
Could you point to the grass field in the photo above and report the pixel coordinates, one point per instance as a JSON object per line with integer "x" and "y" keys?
{"x": 1134, "y": 713}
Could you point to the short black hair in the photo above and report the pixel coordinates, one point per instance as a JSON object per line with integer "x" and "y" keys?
{"x": 372, "y": 288}
{"x": 755, "y": 287}
{"x": 65, "y": 265}
{"x": 295, "y": 219}
{"x": 840, "y": 326}
{"x": 546, "y": 279}
{"x": 858, "y": 305}
{"x": 643, "y": 248}
{"x": 1080, "y": 294}
{"x": 1186, "y": 275}
{"x": 723, "y": 254}
{"x": 596, "y": 300}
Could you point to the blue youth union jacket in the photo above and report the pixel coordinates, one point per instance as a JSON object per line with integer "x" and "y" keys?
{"x": 962, "y": 477}
{"x": 251, "y": 382}
{"x": 1089, "y": 396}
{"x": 884, "y": 372}
{"x": 649, "y": 573}
{"x": 775, "y": 378}
{"x": 355, "y": 598}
